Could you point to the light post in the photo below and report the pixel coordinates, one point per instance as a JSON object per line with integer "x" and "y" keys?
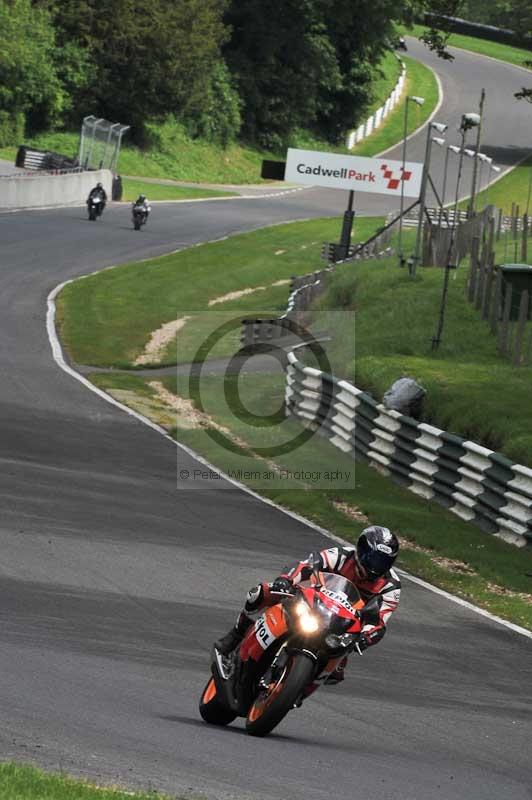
{"x": 478, "y": 125}
{"x": 451, "y": 148}
{"x": 439, "y": 127}
{"x": 468, "y": 122}
{"x": 418, "y": 101}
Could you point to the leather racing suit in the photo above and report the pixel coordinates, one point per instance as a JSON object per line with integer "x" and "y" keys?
{"x": 384, "y": 591}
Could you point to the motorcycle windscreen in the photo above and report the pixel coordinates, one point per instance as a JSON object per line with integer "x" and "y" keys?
{"x": 338, "y": 601}
{"x": 342, "y": 587}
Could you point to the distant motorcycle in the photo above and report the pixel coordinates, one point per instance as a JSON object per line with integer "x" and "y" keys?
{"x": 400, "y": 44}
{"x": 95, "y": 206}
{"x": 140, "y": 215}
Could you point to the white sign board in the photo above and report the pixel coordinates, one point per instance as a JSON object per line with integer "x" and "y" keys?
{"x": 376, "y": 175}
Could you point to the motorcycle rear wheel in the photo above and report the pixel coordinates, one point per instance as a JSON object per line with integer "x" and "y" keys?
{"x": 211, "y": 709}
{"x": 273, "y": 705}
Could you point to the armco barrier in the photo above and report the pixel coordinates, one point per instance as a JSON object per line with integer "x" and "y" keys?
{"x": 377, "y": 118}
{"x": 473, "y": 482}
{"x": 33, "y": 191}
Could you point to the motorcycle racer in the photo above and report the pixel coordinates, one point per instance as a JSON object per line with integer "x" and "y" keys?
{"x": 368, "y": 565}
{"x": 98, "y": 191}
{"x": 142, "y": 203}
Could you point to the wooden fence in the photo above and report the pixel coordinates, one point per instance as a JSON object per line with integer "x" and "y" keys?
{"x": 505, "y": 308}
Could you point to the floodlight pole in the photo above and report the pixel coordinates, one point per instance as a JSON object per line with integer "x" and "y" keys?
{"x": 436, "y": 339}
{"x": 401, "y": 209}
{"x": 423, "y": 192}
{"x": 472, "y": 199}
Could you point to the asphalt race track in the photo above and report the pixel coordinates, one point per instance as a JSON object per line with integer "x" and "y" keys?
{"x": 114, "y": 580}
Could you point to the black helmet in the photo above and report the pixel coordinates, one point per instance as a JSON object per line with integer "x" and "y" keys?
{"x": 377, "y": 549}
{"x": 142, "y": 198}
{"x": 99, "y": 185}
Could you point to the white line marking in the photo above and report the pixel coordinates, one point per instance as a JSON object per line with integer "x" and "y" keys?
{"x": 57, "y": 353}
{"x": 164, "y": 202}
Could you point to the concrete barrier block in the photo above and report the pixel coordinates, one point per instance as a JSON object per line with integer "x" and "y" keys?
{"x": 38, "y": 191}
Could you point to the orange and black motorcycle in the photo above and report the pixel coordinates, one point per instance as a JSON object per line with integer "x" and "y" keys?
{"x": 293, "y": 644}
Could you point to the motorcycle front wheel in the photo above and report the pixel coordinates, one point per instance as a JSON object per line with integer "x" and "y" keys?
{"x": 211, "y": 709}
{"x": 274, "y": 703}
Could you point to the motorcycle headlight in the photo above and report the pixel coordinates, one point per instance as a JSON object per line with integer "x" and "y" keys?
{"x": 307, "y": 620}
{"x": 336, "y": 642}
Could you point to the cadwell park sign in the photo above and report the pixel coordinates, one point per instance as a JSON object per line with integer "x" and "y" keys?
{"x": 353, "y": 173}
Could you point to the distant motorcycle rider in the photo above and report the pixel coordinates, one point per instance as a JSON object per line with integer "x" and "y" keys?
{"x": 368, "y": 566}
{"x": 142, "y": 203}
{"x": 98, "y": 192}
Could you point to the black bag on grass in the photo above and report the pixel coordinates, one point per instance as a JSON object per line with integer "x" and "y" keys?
{"x": 406, "y": 397}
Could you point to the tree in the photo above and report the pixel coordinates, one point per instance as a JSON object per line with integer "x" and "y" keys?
{"x": 30, "y": 90}
{"x": 280, "y": 62}
{"x": 147, "y": 59}
{"x": 308, "y": 64}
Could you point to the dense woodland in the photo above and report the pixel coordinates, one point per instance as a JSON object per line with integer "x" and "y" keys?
{"x": 254, "y": 69}
{"x": 515, "y": 15}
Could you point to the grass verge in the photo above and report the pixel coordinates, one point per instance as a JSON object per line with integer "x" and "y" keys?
{"x": 515, "y": 187}
{"x": 166, "y": 191}
{"x": 107, "y": 319}
{"x": 421, "y": 81}
{"x": 502, "y": 52}
{"x": 18, "y": 782}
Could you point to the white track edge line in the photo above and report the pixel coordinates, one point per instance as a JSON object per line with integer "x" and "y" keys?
{"x": 57, "y": 353}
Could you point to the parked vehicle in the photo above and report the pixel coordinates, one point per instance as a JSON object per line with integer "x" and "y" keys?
{"x": 292, "y": 646}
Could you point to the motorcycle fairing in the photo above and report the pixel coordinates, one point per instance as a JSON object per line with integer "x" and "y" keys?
{"x": 268, "y": 628}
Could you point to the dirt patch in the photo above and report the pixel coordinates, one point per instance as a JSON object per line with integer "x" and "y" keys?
{"x": 502, "y": 592}
{"x": 453, "y": 565}
{"x": 159, "y": 341}
{"x": 149, "y": 407}
{"x": 226, "y": 298}
{"x": 353, "y": 512}
{"x": 185, "y": 415}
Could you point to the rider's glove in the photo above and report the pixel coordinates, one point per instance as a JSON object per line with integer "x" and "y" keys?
{"x": 282, "y": 585}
